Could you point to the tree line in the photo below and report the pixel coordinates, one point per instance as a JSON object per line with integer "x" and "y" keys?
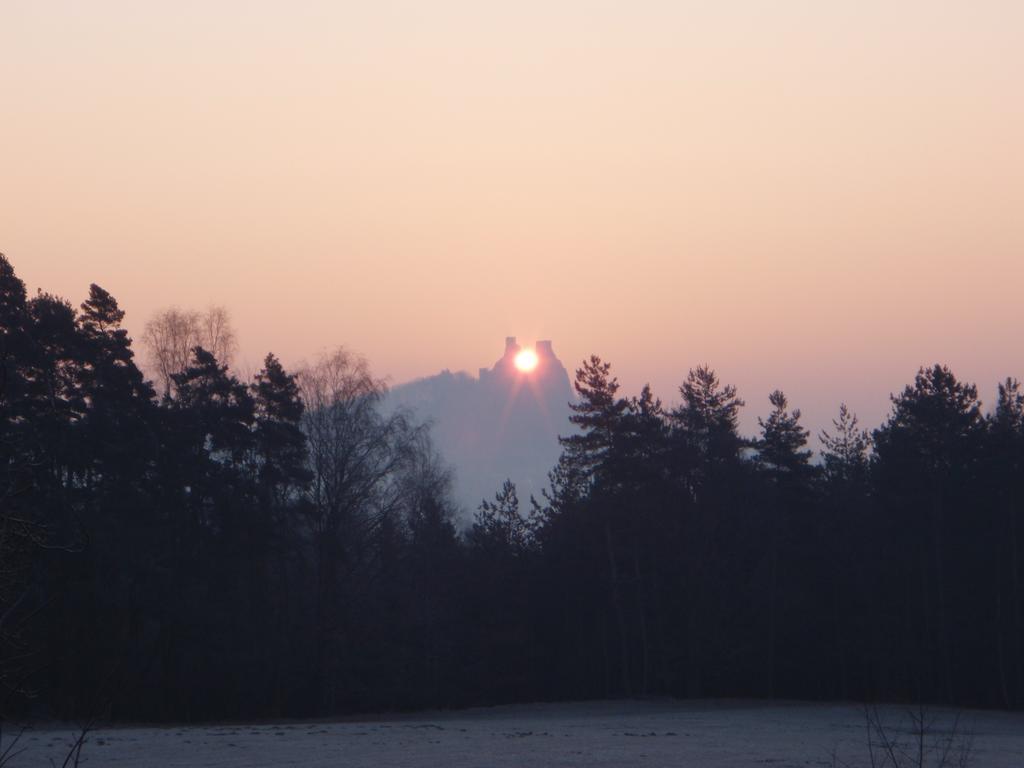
{"x": 283, "y": 546}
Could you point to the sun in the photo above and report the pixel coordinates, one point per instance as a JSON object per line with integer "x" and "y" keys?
{"x": 526, "y": 360}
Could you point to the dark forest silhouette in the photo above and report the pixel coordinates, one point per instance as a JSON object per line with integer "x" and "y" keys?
{"x": 281, "y": 548}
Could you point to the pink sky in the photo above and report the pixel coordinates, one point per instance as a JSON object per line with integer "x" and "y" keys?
{"x": 807, "y": 195}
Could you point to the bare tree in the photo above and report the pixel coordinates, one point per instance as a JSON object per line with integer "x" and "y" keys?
{"x": 171, "y": 335}
{"x": 9, "y": 752}
{"x": 217, "y": 334}
{"x": 350, "y": 445}
{"x": 923, "y": 740}
{"x": 357, "y": 457}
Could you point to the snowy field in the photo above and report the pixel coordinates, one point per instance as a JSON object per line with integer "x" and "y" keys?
{"x": 664, "y": 733}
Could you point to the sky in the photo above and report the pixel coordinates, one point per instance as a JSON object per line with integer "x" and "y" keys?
{"x": 812, "y": 196}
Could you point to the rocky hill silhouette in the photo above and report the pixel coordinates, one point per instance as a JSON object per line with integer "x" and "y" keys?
{"x": 502, "y": 424}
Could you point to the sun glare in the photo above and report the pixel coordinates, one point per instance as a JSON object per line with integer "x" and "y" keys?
{"x": 526, "y": 360}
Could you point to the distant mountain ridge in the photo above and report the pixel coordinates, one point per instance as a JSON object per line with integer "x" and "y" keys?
{"x": 503, "y": 424}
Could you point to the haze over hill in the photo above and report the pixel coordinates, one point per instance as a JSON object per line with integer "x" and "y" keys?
{"x": 501, "y": 425}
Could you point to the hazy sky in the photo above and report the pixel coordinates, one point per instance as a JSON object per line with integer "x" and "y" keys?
{"x": 817, "y": 196}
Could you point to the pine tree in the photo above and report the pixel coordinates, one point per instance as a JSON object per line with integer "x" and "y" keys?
{"x": 708, "y": 479}
{"x": 846, "y": 449}
{"x": 118, "y": 421}
{"x": 23, "y": 532}
{"x": 784, "y": 464}
{"x": 587, "y": 455}
{"x": 280, "y": 443}
{"x": 708, "y": 418}
{"x": 590, "y": 494}
{"x": 1006, "y": 491}
{"x": 220, "y": 408}
{"x": 14, "y": 343}
{"x": 927, "y": 466}
{"x": 781, "y": 445}
{"x": 498, "y": 526}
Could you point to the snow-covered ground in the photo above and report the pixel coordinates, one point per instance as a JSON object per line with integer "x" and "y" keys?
{"x": 663, "y": 733}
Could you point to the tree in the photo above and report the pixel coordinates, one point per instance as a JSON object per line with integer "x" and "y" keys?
{"x": 280, "y": 442}
{"x": 785, "y": 467}
{"x": 934, "y": 426}
{"x": 588, "y": 454}
{"x": 115, "y": 451}
{"x": 1009, "y": 414}
{"x": 273, "y": 545}
{"x": 708, "y": 480}
{"x": 356, "y": 457}
{"x": 846, "y": 449}
{"x": 591, "y": 502}
{"x": 498, "y": 526}
{"x": 1006, "y": 481}
{"x": 708, "y": 418}
{"x": 429, "y": 581}
{"x": 119, "y": 398}
{"x": 171, "y": 335}
{"x": 220, "y": 408}
{"x": 22, "y": 530}
{"x": 780, "y": 449}
{"x": 928, "y": 457}
{"x": 14, "y": 340}
{"x": 217, "y": 334}
{"x": 847, "y": 530}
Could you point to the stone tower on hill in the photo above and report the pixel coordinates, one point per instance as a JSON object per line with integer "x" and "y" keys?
{"x": 503, "y": 424}
{"x": 549, "y": 371}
